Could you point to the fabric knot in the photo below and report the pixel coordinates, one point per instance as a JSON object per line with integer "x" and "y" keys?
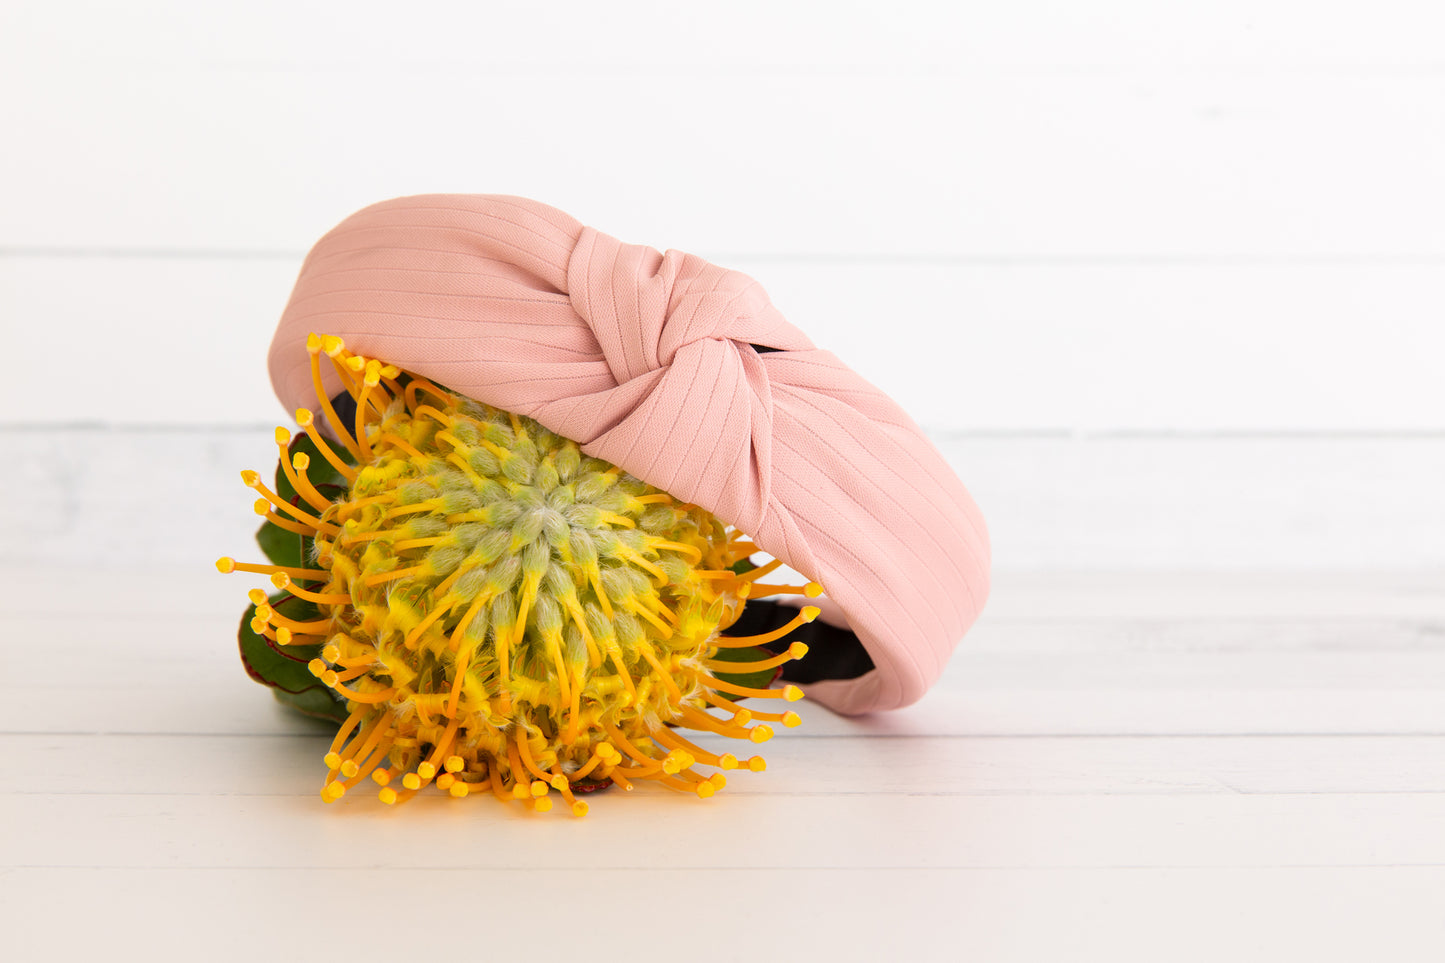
{"x": 676, "y": 332}
{"x": 645, "y": 306}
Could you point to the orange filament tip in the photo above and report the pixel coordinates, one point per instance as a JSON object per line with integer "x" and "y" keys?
{"x": 304, "y": 417}
{"x": 791, "y": 719}
{"x": 388, "y": 796}
{"x": 458, "y": 789}
{"x": 301, "y": 461}
{"x": 728, "y": 761}
{"x": 281, "y": 580}
{"x": 426, "y": 770}
{"x": 705, "y": 789}
{"x": 718, "y": 780}
{"x": 812, "y": 590}
{"x": 798, "y": 649}
{"x": 760, "y": 733}
{"x": 539, "y": 788}
{"x": 445, "y": 780}
{"x": 332, "y": 760}
{"x": 318, "y": 668}
{"x": 757, "y": 764}
{"x": 331, "y": 344}
{"x": 313, "y": 342}
{"x": 332, "y": 792}
{"x": 810, "y": 612}
{"x": 283, "y": 636}
{"x": 676, "y": 761}
{"x": 256, "y": 596}
{"x": 792, "y": 693}
{"x": 455, "y": 764}
{"x": 542, "y": 804}
{"x": 225, "y": 565}
{"x": 411, "y": 781}
{"x": 251, "y": 478}
{"x": 579, "y": 808}
{"x": 349, "y": 768}
{"x": 283, "y": 437}
{"x": 380, "y": 776}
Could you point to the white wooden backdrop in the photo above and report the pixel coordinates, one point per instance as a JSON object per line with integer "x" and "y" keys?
{"x": 1135, "y": 266}
{"x": 1165, "y": 281}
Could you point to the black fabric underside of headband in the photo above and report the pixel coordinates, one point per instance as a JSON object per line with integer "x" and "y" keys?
{"x": 833, "y": 653}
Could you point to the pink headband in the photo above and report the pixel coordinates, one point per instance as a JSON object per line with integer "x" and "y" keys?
{"x": 647, "y": 360}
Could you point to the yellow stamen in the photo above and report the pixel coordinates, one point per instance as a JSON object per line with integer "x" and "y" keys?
{"x": 227, "y": 565}
{"x": 753, "y": 574}
{"x": 789, "y": 692}
{"x": 307, "y": 421}
{"x": 371, "y": 581}
{"x": 263, "y": 508}
{"x": 807, "y": 614}
{"x": 302, "y": 482}
{"x": 283, "y": 581}
{"x": 369, "y": 381}
{"x": 332, "y": 418}
{"x": 391, "y": 438}
{"x": 795, "y": 651}
{"x": 811, "y": 590}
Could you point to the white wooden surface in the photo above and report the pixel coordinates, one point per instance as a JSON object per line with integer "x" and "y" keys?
{"x": 1141, "y": 768}
{"x": 1118, "y": 216}
{"x": 962, "y": 345}
{"x": 1162, "y": 280}
{"x": 173, "y": 497}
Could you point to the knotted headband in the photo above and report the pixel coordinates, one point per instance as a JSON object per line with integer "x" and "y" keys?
{"x": 650, "y": 361}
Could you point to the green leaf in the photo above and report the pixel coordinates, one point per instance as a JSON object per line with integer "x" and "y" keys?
{"x": 318, "y": 702}
{"x": 759, "y": 679}
{"x": 285, "y": 668}
{"x": 283, "y": 548}
{"x": 742, "y": 566}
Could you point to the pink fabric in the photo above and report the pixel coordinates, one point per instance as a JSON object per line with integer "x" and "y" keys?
{"x": 643, "y": 358}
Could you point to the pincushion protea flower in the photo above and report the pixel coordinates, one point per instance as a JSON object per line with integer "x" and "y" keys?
{"x": 492, "y": 610}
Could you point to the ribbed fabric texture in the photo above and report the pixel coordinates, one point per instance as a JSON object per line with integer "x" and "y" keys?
{"x": 645, "y": 360}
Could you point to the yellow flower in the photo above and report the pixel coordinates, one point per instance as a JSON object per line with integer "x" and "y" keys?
{"x": 502, "y": 613}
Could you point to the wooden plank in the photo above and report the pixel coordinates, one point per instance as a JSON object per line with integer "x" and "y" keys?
{"x": 654, "y": 36}
{"x": 168, "y": 674}
{"x": 825, "y": 830}
{"x": 232, "y": 705}
{"x": 95, "y": 498}
{"x": 1061, "y": 165}
{"x": 1009, "y": 347}
{"x": 1291, "y": 608}
{"x": 1137, "y": 915}
{"x": 800, "y": 763}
